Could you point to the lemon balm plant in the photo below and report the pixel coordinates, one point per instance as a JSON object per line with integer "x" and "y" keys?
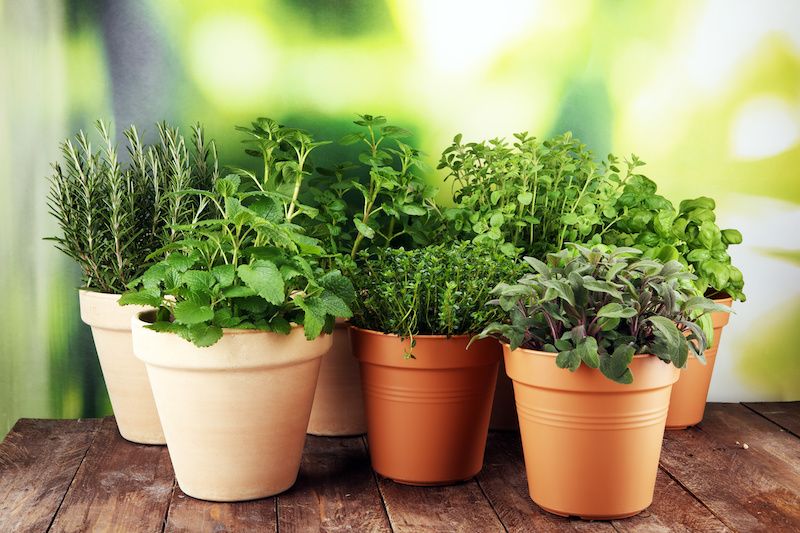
{"x": 243, "y": 270}
{"x": 112, "y": 215}
{"x": 595, "y": 340}
{"x": 233, "y": 351}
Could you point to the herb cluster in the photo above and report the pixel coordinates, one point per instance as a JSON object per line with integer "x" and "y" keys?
{"x": 113, "y": 215}
{"x": 245, "y": 270}
{"x": 381, "y": 201}
{"x": 600, "y": 307}
{"x": 435, "y": 290}
{"x": 534, "y": 197}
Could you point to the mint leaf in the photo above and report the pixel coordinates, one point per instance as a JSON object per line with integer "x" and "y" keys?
{"x": 264, "y": 277}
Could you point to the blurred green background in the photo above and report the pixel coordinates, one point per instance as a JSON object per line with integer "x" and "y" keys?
{"x": 707, "y": 92}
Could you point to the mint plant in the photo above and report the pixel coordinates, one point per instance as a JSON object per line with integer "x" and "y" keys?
{"x": 380, "y": 202}
{"x": 112, "y": 215}
{"x": 244, "y": 270}
{"x": 599, "y": 307}
{"x": 435, "y": 290}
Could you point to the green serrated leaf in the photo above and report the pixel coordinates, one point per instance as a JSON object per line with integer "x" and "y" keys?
{"x": 188, "y": 312}
{"x": 264, "y": 277}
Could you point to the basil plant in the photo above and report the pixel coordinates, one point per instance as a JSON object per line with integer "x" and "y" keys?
{"x": 601, "y": 306}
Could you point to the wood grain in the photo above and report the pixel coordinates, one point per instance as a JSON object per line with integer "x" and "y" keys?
{"x": 188, "y": 515}
{"x": 335, "y": 490}
{"x": 736, "y": 484}
{"x": 785, "y": 414}
{"x": 120, "y": 486}
{"x": 504, "y": 483}
{"x": 38, "y": 460}
{"x": 673, "y": 510}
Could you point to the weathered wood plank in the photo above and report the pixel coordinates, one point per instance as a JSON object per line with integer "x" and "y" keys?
{"x": 120, "y": 486}
{"x": 188, "y": 515}
{"x": 449, "y": 509}
{"x": 785, "y": 414}
{"x": 504, "y": 482}
{"x": 740, "y": 486}
{"x": 673, "y": 510}
{"x": 335, "y": 490}
{"x": 38, "y": 460}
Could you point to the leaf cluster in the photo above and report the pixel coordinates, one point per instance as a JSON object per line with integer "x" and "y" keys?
{"x": 530, "y": 195}
{"x": 112, "y": 215}
{"x": 380, "y": 201}
{"x": 651, "y": 223}
{"x": 600, "y": 306}
{"x": 434, "y": 290}
{"x": 249, "y": 268}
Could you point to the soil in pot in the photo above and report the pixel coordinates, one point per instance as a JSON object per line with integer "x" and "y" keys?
{"x": 125, "y": 376}
{"x": 338, "y": 408}
{"x": 688, "y": 402}
{"x": 591, "y": 445}
{"x": 234, "y": 414}
{"x": 427, "y": 416}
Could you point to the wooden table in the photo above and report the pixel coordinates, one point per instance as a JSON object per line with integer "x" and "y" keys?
{"x": 739, "y": 470}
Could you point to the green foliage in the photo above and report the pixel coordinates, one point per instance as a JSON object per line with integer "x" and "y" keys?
{"x": 532, "y": 195}
{"x": 380, "y": 202}
{"x": 435, "y": 290}
{"x": 599, "y": 308}
{"x": 649, "y": 222}
{"x": 250, "y": 268}
{"x": 535, "y": 196}
{"x": 112, "y": 215}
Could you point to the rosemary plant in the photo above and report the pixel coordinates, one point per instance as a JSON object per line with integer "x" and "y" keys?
{"x": 113, "y": 215}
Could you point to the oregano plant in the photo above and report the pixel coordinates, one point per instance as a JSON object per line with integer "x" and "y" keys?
{"x": 245, "y": 269}
{"x": 599, "y": 307}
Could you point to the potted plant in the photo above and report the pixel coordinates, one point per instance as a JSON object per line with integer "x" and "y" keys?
{"x": 528, "y": 196}
{"x": 621, "y": 325}
{"x": 234, "y": 350}
{"x": 379, "y": 201}
{"x": 112, "y": 216}
{"x": 427, "y": 395}
{"x": 648, "y": 221}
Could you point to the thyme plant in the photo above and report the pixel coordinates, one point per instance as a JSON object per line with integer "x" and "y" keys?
{"x": 113, "y": 214}
{"x": 435, "y": 290}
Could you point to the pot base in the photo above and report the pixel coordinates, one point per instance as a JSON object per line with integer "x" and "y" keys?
{"x": 235, "y": 498}
{"x": 431, "y": 483}
{"x": 677, "y": 428}
{"x": 592, "y": 517}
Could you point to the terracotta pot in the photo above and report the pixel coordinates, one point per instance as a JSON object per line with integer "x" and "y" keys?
{"x": 591, "y": 446}
{"x": 234, "y": 414}
{"x": 428, "y": 417}
{"x": 689, "y": 394}
{"x": 504, "y": 410}
{"x": 338, "y": 408}
{"x": 125, "y": 376}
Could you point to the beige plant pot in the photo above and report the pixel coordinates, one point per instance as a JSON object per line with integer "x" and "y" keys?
{"x": 125, "y": 376}
{"x": 338, "y": 403}
{"x": 234, "y": 414}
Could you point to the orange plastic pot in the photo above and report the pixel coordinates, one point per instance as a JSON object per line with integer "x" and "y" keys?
{"x": 688, "y": 403}
{"x": 427, "y": 417}
{"x": 338, "y": 403}
{"x": 591, "y": 446}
